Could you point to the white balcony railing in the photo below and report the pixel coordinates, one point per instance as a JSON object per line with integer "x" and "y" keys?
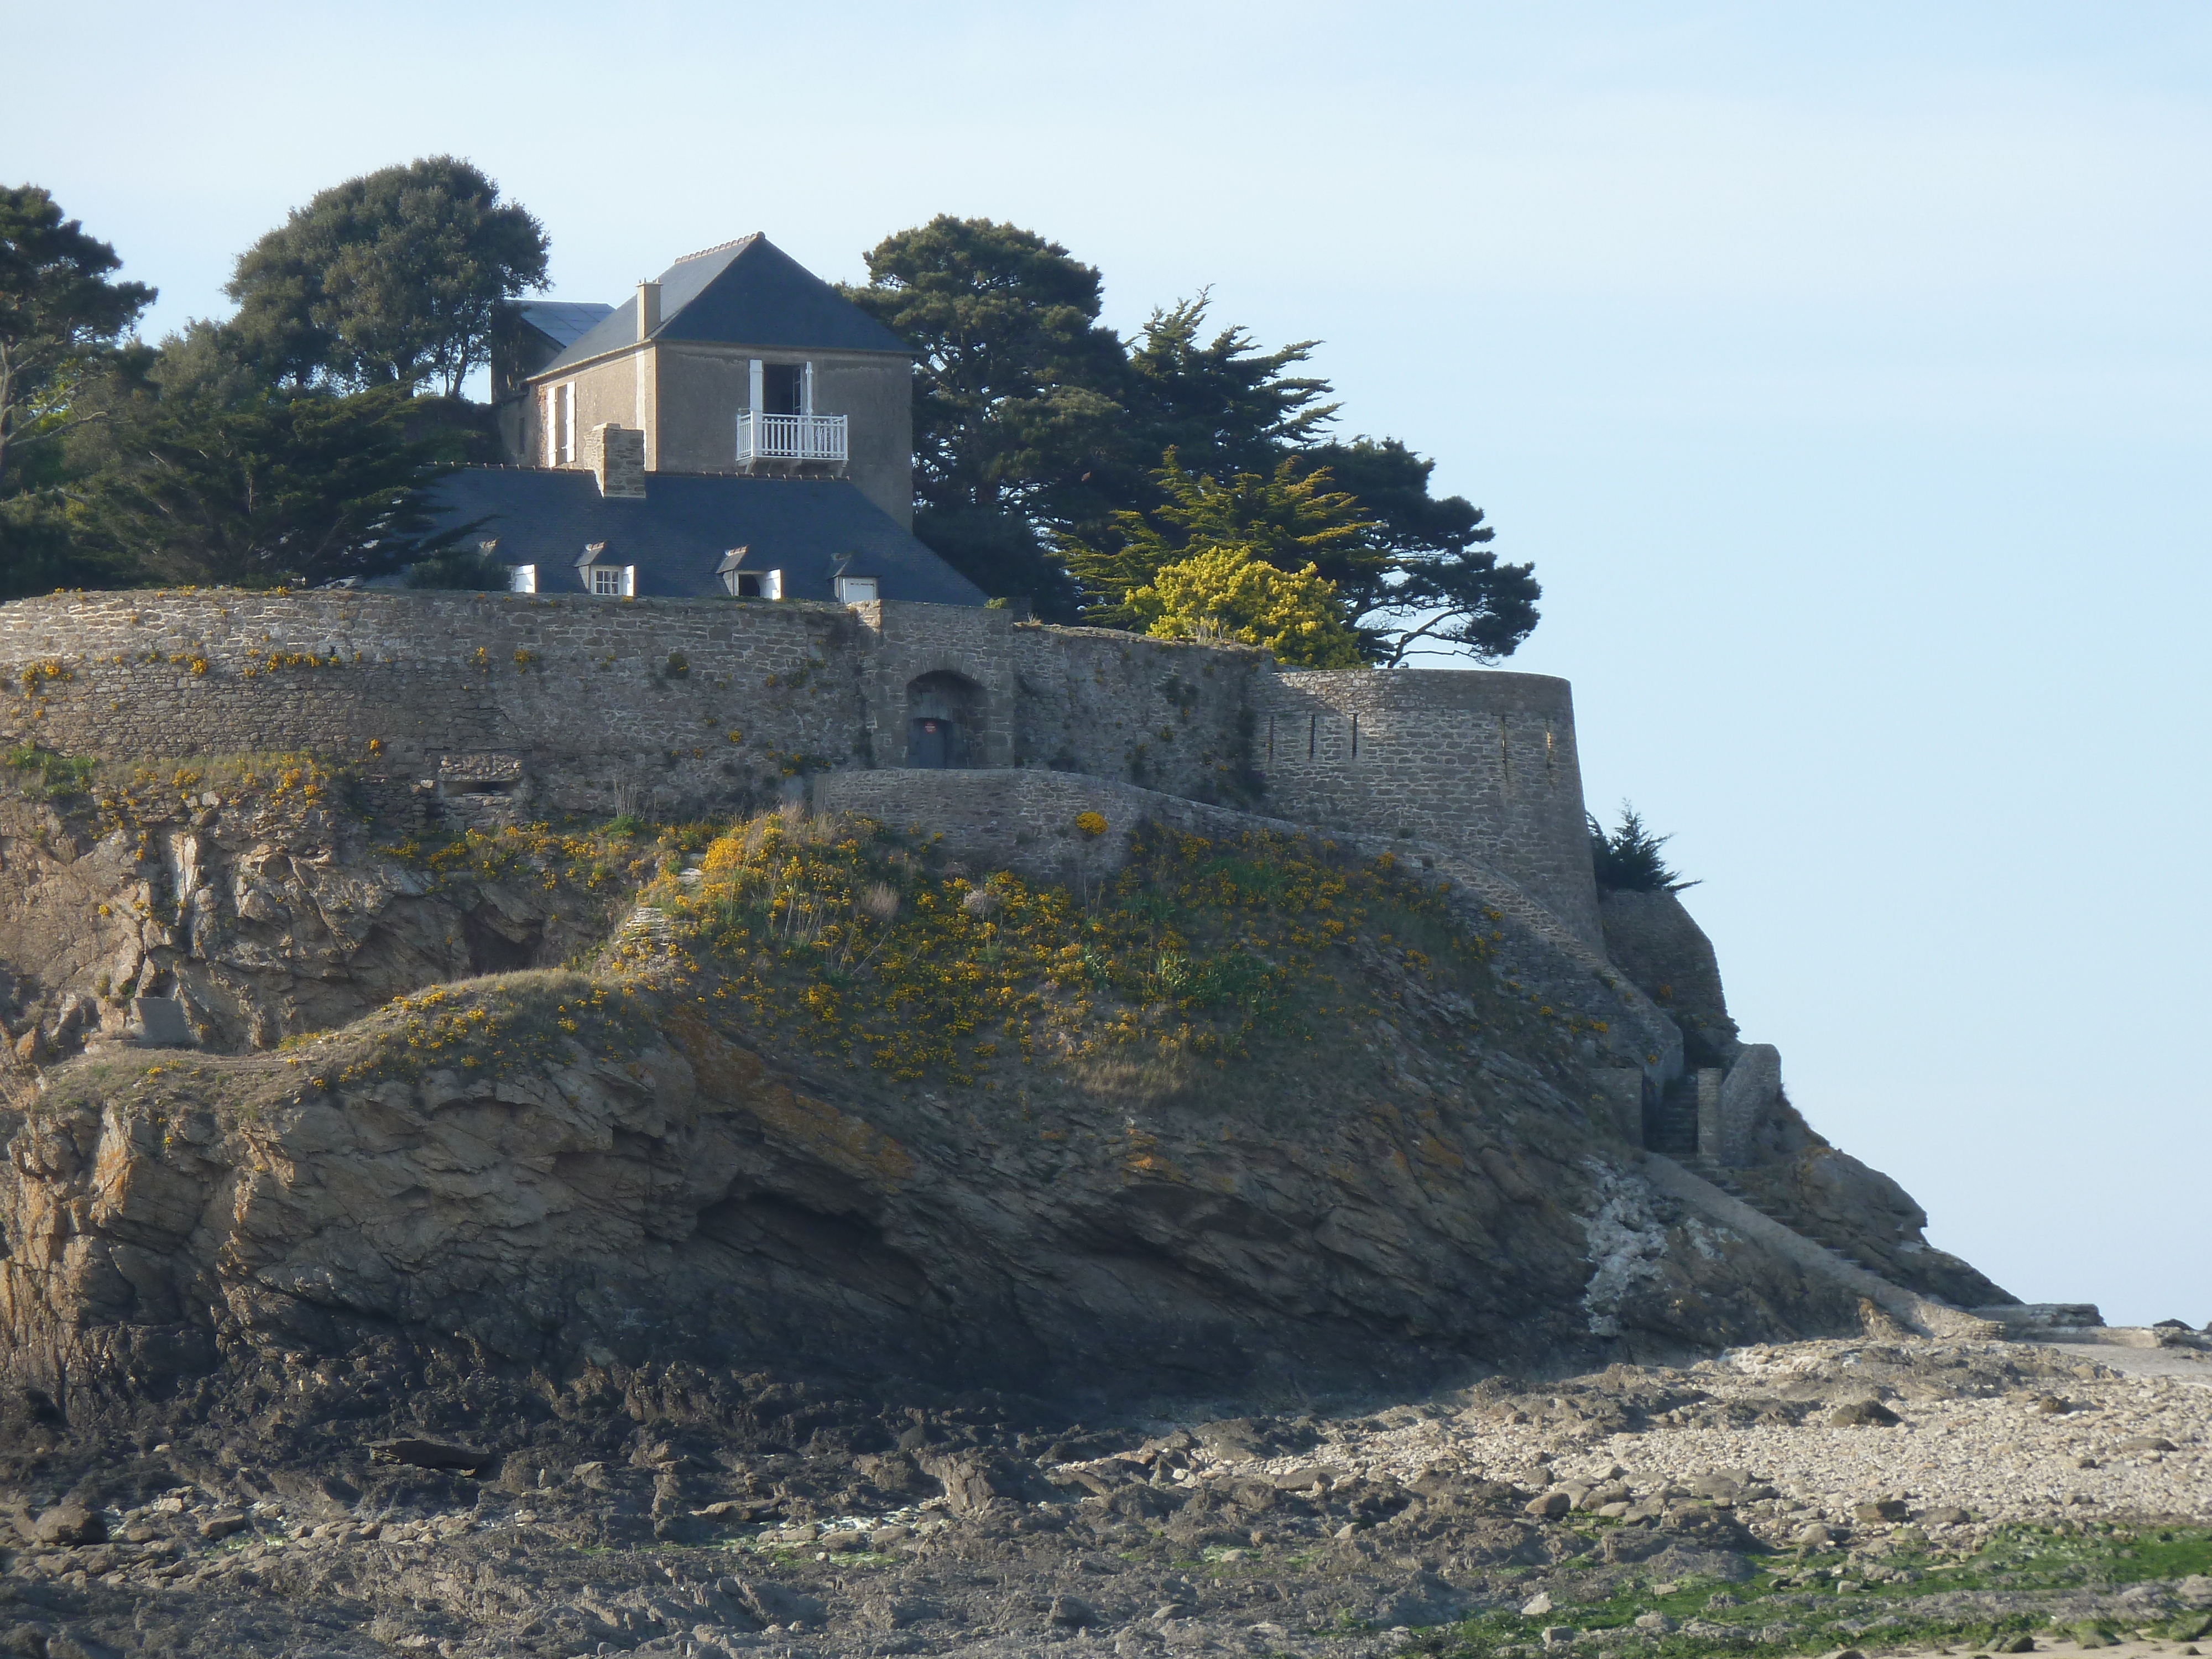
{"x": 789, "y": 437}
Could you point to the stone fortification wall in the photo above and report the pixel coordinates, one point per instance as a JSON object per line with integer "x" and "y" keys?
{"x": 604, "y": 703}
{"x": 571, "y": 703}
{"x": 1480, "y": 761}
{"x": 1164, "y": 715}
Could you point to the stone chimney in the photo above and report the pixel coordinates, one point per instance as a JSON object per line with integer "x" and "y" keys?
{"x": 648, "y": 309}
{"x": 617, "y": 458}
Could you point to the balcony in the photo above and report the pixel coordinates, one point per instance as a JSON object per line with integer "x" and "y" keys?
{"x": 790, "y": 438}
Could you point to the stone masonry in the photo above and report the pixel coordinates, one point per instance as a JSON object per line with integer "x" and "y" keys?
{"x": 699, "y": 706}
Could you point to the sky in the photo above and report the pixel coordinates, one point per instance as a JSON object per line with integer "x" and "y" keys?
{"x": 1845, "y": 372}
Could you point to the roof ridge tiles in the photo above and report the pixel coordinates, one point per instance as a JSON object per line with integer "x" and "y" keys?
{"x": 735, "y": 241}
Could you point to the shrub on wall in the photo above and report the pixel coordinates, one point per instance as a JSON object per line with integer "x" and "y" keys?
{"x": 468, "y": 571}
{"x": 1628, "y": 860}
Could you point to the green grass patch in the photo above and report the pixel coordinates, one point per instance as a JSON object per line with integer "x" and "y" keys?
{"x": 1792, "y": 1605}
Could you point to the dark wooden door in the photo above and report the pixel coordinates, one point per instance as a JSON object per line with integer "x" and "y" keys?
{"x": 929, "y": 742}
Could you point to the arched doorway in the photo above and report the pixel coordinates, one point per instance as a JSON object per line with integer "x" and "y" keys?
{"x": 944, "y": 720}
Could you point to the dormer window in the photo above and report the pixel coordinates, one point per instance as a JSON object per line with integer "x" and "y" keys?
{"x": 747, "y": 584}
{"x": 856, "y": 589}
{"x": 603, "y": 578}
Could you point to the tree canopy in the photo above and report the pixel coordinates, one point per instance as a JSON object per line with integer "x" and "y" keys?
{"x": 59, "y": 314}
{"x": 273, "y": 486}
{"x": 387, "y": 279}
{"x": 1056, "y": 459}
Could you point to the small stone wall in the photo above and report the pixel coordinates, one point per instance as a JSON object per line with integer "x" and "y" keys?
{"x": 1024, "y": 820}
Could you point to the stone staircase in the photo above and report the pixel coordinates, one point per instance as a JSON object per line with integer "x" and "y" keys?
{"x": 1696, "y": 1186}
{"x": 1774, "y": 1209}
{"x": 1670, "y": 1123}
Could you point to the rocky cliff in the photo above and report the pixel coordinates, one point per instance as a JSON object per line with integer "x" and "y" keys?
{"x": 1263, "y": 1117}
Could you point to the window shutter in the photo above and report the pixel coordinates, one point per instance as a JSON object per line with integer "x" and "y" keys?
{"x": 523, "y": 579}
{"x": 754, "y": 389}
{"x": 548, "y": 437}
{"x": 807, "y": 390}
{"x": 630, "y": 581}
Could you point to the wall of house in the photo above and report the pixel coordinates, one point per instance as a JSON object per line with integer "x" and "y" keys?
{"x": 712, "y": 702}
{"x": 875, "y": 393}
{"x": 702, "y": 388}
{"x": 608, "y": 390}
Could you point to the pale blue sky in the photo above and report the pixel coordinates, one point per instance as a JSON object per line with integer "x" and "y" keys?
{"x": 1845, "y": 375}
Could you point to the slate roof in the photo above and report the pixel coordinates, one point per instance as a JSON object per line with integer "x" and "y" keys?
{"x": 678, "y": 534}
{"x": 748, "y": 292}
{"x": 564, "y": 322}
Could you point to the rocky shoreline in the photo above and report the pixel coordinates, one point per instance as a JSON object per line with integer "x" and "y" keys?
{"x": 1886, "y": 1494}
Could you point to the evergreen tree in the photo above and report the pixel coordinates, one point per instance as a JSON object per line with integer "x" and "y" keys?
{"x": 389, "y": 278}
{"x": 1040, "y": 440}
{"x": 1287, "y": 518}
{"x": 1425, "y": 573}
{"x": 1628, "y": 859}
{"x": 1013, "y": 391}
{"x": 59, "y": 316}
{"x": 272, "y": 486}
{"x": 1223, "y": 405}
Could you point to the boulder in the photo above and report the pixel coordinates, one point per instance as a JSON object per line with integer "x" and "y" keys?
{"x": 70, "y": 1523}
{"x": 1863, "y": 1413}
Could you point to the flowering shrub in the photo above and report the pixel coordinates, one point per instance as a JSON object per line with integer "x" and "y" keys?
{"x": 841, "y": 939}
{"x": 1091, "y": 823}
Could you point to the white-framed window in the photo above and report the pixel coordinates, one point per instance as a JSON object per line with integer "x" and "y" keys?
{"x": 522, "y": 579}
{"x": 607, "y": 582}
{"x": 560, "y": 420}
{"x": 856, "y": 589}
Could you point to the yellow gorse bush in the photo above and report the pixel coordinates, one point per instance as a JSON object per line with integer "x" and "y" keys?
{"x": 834, "y": 936}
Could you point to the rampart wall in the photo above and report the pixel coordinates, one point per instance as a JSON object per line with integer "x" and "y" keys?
{"x": 577, "y": 704}
{"x": 603, "y": 703}
{"x": 1482, "y": 760}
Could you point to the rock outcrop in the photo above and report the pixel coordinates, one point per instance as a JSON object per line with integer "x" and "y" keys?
{"x": 265, "y": 914}
{"x": 1656, "y": 943}
{"x": 1413, "y": 1166}
{"x": 689, "y": 1197}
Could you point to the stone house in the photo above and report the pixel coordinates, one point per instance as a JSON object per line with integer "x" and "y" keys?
{"x": 736, "y": 427}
